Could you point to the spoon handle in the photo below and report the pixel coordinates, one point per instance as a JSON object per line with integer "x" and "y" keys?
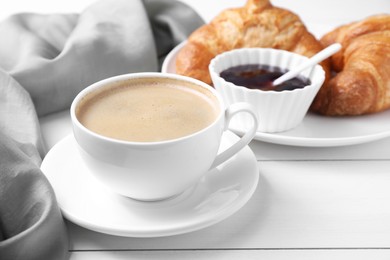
{"x": 322, "y": 55}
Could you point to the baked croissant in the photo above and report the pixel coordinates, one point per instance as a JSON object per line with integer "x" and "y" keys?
{"x": 362, "y": 83}
{"x": 257, "y": 24}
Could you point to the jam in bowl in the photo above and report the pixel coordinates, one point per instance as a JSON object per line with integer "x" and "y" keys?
{"x": 246, "y": 75}
{"x": 256, "y": 76}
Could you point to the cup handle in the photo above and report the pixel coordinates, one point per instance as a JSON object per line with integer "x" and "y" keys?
{"x": 230, "y": 112}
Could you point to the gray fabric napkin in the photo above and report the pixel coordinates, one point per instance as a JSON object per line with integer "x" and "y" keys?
{"x": 45, "y": 60}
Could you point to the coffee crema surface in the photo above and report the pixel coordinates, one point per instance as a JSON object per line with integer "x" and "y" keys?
{"x": 148, "y": 109}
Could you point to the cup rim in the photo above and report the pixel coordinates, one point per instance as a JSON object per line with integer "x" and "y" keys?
{"x": 140, "y": 75}
{"x": 223, "y": 55}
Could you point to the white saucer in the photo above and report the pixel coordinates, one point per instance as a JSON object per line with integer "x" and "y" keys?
{"x": 315, "y": 130}
{"x": 84, "y": 201}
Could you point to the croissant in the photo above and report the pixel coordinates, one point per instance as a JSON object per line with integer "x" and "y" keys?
{"x": 362, "y": 67}
{"x": 257, "y": 24}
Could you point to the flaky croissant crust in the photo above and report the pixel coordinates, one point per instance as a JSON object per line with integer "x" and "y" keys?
{"x": 257, "y": 24}
{"x": 362, "y": 81}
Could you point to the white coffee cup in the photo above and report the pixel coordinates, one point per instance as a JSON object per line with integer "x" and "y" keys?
{"x": 157, "y": 170}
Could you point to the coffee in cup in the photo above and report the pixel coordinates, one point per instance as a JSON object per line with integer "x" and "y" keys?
{"x": 151, "y": 136}
{"x": 148, "y": 110}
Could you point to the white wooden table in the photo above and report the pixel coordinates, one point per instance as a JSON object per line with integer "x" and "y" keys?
{"x": 311, "y": 203}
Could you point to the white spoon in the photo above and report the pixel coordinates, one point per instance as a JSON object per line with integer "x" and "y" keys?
{"x": 322, "y": 55}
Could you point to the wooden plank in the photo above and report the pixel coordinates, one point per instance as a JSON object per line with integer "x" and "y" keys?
{"x": 377, "y": 150}
{"x": 362, "y": 254}
{"x": 298, "y": 204}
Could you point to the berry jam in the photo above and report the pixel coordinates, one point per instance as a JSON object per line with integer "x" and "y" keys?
{"x": 256, "y": 76}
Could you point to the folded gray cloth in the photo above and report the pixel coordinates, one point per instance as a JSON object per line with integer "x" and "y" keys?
{"x": 54, "y": 56}
{"x": 45, "y": 60}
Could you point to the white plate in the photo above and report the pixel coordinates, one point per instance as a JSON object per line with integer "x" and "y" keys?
{"x": 316, "y": 130}
{"x": 84, "y": 201}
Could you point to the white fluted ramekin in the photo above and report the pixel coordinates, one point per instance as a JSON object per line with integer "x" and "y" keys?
{"x": 277, "y": 110}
